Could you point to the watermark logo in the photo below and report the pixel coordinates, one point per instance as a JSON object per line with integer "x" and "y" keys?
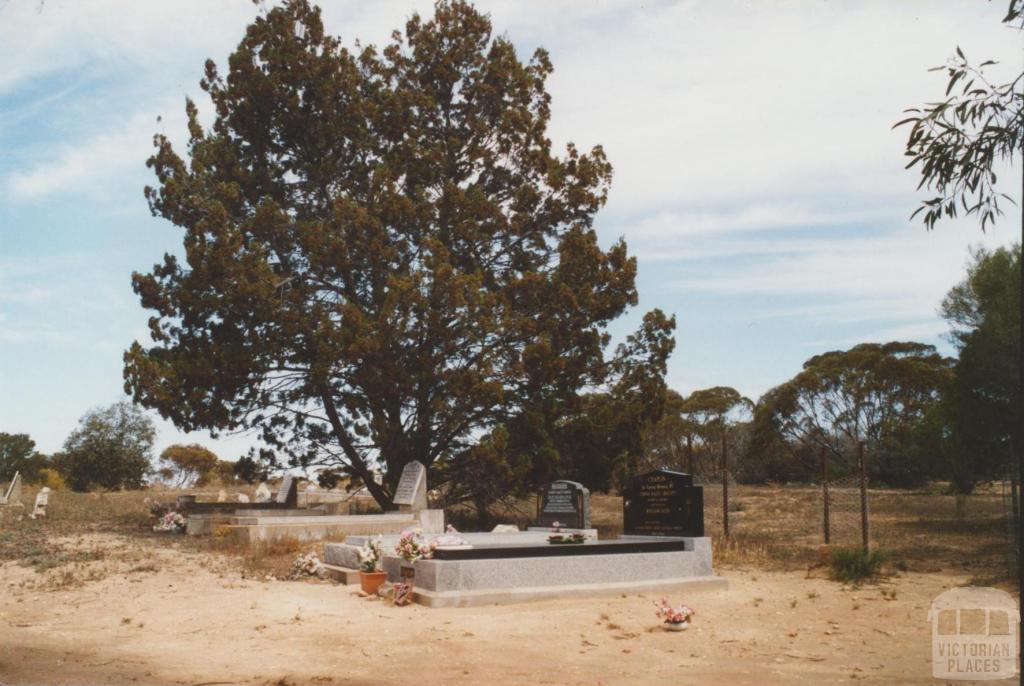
{"x": 974, "y": 634}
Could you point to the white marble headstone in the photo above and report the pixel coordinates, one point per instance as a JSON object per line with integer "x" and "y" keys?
{"x": 263, "y": 494}
{"x": 411, "y": 491}
{"x": 13, "y": 495}
{"x": 42, "y": 500}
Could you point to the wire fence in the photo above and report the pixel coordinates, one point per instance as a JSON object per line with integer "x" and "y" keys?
{"x": 919, "y": 524}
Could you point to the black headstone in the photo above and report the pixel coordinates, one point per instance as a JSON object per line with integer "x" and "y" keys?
{"x": 664, "y": 503}
{"x": 565, "y": 502}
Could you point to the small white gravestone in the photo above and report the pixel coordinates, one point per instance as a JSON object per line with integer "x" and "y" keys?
{"x": 505, "y": 529}
{"x": 13, "y": 495}
{"x": 263, "y": 493}
{"x": 411, "y": 492}
{"x": 42, "y": 500}
{"x": 222, "y": 496}
{"x": 243, "y": 498}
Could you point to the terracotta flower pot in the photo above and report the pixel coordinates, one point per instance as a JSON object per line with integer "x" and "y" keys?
{"x": 371, "y": 581}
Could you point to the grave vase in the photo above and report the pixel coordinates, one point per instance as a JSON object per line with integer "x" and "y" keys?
{"x": 676, "y": 626}
{"x": 371, "y": 581}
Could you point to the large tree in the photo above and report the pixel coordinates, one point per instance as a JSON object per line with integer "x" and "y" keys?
{"x": 18, "y": 454}
{"x": 111, "y": 448}
{"x": 873, "y": 393}
{"x": 188, "y": 464}
{"x": 985, "y": 401}
{"x": 384, "y": 259}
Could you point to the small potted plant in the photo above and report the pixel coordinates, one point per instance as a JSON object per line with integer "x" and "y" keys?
{"x": 674, "y": 618}
{"x": 370, "y": 574}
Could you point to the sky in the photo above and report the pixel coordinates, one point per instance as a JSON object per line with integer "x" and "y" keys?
{"x": 757, "y": 177}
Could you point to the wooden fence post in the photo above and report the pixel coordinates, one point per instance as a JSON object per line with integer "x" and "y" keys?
{"x": 824, "y": 493}
{"x": 863, "y": 495}
{"x": 725, "y": 484}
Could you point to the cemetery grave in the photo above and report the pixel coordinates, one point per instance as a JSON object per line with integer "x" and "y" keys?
{"x": 283, "y": 517}
{"x": 11, "y": 505}
{"x": 663, "y": 547}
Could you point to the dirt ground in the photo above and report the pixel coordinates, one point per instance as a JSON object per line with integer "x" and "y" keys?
{"x": 134, "y": 611}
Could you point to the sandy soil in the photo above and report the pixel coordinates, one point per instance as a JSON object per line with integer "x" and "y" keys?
{"x": 157, "y": 616}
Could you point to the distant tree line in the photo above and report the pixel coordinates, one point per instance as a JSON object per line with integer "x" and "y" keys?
{"x": 112, "y": 449}
{"x": 919, "y": 415}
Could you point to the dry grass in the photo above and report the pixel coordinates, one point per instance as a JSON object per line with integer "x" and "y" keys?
{"x": 780, "y": 527}
{"x": 771, "y": 527}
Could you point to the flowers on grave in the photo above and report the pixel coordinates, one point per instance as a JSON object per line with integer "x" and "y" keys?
{"x": 678, "y": 616}
{"x": 170, "y": 522}
{"x": 413, "y": 546}
{"x": 575, "y": 537}
{"x": 402, "y": 593}
{"x": 306, "y": 565}
{"x": 451, "y": 538}
{"x": 371, "y": 554}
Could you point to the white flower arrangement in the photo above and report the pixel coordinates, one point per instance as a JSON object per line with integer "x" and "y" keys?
{"x": 171, "y": 522}
{"x": 371, "y": 554}
{"x": 306, "y": 565}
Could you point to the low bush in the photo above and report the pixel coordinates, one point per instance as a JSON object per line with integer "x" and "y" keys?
{"x": 855, "y": 564}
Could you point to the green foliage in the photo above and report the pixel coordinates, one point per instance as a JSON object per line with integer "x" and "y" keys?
{"x": 384, "y": 258}
{"x": 51, "y": 478}
{"x": 18, "y": 454}
{"x": 248, "y": 469}
{"x": 689, "y": 435}
{"x": 188, "y": 464}
{"x": 224, "y": 472}
{"x": 110, "y": 449}
{"x": 669, "y": 442}
{"x": 875, "y": 393}
{"x": 983, "y": 406}
{"x": 960, "y": 140}
{"x": 852, "y": 564}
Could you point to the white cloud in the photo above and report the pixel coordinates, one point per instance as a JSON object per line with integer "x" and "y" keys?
{"x": 65, "y": 35}
{"x": 914, "y": 331}
{"x": 851, "y": 267}
{"x": 762, "y": 215}
{"x": 86, "y": 166}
